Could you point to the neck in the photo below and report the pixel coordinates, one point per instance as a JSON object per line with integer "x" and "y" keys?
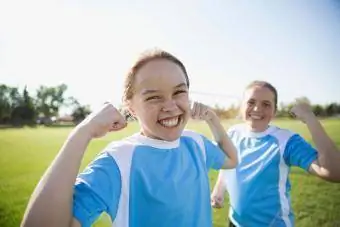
{"x": 257, "y": 129}
{"x": 149, "y": 136}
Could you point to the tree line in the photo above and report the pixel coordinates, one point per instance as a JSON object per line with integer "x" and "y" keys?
{"x": 19, "y": 107}
{"x": 283, "y": 109}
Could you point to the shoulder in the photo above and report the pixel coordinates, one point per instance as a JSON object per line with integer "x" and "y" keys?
{"x": 193, "y": 137}
{"x": 238, "y": 131}
{"x": 237, "y": 128}
{"x": 284, "y": 137}
{"x": 281, "y": 134}
{"x": 120, "y": 146}
{"x": 122, "y": 150}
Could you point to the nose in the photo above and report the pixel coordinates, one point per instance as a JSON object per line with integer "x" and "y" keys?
{"x": 170, "y": 105}
{"x": 257, "y": 107}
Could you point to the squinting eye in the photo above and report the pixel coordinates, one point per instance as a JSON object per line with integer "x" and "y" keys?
{"x": 266, "y": 104}
{"x": 180, "y": 92}
{"x": 250, "y": 102}
{"x": 152, "y": 98}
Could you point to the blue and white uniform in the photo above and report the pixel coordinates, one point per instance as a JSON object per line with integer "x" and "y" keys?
{"x": 141, "y": 181}
{"x": 259, "y": 186}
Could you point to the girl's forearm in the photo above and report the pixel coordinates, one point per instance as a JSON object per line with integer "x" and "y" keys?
{"x": 328, "y": 154}
{"x": 220, "y": 186}
{"x": 223, "y": 141}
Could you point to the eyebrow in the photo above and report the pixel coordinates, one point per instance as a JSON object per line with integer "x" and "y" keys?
{"x": 267, "y": 101}
{"x": 181, "y": 85}
{"x": 146, "y": 92}
{"x": 263, "y": 101}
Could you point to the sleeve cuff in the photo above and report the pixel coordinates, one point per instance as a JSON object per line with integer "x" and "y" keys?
{"x": 309, "y": 163}
{"x": 81, "y": 215}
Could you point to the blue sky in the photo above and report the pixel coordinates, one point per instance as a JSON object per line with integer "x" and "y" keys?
{"x": 225, "y": 44}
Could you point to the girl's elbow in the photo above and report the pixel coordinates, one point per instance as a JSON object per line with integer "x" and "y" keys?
{"x": 333, "y": 177}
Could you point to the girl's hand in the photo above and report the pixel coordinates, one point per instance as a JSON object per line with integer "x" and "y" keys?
{"x": 102, "y": 121}
{"x": 200, "y": 111}
{"x": 302, "y": 111}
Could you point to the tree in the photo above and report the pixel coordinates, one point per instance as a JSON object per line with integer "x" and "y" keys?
{"x": 282, "y": 110}
{"x": 50, "y": 99}
{"x": 331, "y": 109}
{"x": 16, "y": 101}
{"x": 16, "y": 108}
{"x": 318, "y": 110}
{"x": 233, "y": 111}
{"x": 80, "y": 112}
{"x": 5, "y": 104}
{"x": 29, "y": 112}
{"x": 337, "y": 109}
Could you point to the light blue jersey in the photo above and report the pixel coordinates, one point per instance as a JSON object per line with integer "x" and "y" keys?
{"x": 259, "y": 186}
{"x": 141, "y": 181}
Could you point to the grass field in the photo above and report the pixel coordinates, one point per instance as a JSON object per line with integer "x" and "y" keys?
{"x": 26, "y": 153}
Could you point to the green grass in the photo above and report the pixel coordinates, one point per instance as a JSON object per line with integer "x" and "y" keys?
{"x": 26, "y": 153}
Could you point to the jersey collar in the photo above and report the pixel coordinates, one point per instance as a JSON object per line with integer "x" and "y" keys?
{"x": 156, "y": 143}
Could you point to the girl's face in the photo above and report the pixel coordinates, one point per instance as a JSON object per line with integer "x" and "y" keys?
{"x": 160, "y": 100}
{"x": 258, "y": 107}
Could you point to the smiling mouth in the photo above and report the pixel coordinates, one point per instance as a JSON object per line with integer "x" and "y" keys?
{"x": 171, "y": 122}
{"x": 255, "y": 117}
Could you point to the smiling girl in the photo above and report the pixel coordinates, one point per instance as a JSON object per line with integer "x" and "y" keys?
{"x": 259, "y": 187}
{"x": 156, "y": 177}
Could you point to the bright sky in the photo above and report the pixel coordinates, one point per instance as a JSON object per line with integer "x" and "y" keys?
{"x": 89, "y": 45}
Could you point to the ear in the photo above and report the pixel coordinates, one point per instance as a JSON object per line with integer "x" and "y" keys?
{"x": 132, "y": 112}
{"x": 129, "y": 113}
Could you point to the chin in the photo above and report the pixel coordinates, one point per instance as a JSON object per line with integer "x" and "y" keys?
{"x": 171, "y": 135}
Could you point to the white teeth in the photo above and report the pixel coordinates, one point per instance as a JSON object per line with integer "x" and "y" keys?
{"x": 169, "y": 123}
{"x": 256, "y": 117}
